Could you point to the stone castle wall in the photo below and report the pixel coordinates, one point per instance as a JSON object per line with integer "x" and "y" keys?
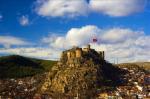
{"x": 70, "y": 56}
{"x": 78, "y": 53}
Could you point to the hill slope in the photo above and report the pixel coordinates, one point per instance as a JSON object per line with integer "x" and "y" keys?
{"x": 15, "y": 66}
{"x": 143, "y": 65}
{"x": 80, "y": 76}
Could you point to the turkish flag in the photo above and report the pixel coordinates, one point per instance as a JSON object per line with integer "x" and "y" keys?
{"x": 94, "y": 39}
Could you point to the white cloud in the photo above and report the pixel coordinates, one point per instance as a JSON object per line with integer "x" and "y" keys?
{"x": 143, "y": 41}
{"x": 115, "y": 35}
{"x": 24, "y": 20}
{"x": 123, "y": 43}
{"x": 73, "y": 8}
{"x": 117, "y": 7}
{"x": 57, "y": 8}
{"x": 74, "y": 37}
{"x": 8, "y": 41}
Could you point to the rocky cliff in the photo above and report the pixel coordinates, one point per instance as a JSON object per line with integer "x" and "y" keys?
{"x": 82, "y": 79}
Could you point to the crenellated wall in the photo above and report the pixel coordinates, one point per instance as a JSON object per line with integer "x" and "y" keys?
{"x": 73, "y": 55}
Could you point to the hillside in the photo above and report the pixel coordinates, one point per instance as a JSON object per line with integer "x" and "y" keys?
{"x": 15, "y": 66}
{"x": 142, "y": 65}
{"x": 80, "y": 73}
{"x": 145, "y": 65}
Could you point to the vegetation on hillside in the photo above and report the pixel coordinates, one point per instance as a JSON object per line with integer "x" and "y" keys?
{"x": 15, "y": 66}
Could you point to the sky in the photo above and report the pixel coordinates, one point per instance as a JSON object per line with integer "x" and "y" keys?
{"x": 43, "y": 28}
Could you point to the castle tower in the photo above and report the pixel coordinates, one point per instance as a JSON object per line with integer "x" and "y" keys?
{"x": 63, "y": 57}
{"x": 88, "y": 47}
{"x": 78, "y": 52}
{"x": 68, "y": 55}
{"x": 102, "y": 55}
{"x": 73, "y": 55}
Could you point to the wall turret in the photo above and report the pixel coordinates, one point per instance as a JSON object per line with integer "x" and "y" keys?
{"x": 88, "y": 47}
{"x": 102, "y": 55}
{"x": 78, "y": 52}
{"x": 73, "y": 55}
{"x": 68, "y": 55}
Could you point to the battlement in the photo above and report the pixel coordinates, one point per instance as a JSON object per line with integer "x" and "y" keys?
{"x": 74, "y": 55}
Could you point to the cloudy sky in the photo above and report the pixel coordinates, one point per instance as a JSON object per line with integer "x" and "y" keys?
{"x": 43, "y": 28}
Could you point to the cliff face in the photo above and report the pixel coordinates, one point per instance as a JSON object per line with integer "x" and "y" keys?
{"x": 81, "y": 78}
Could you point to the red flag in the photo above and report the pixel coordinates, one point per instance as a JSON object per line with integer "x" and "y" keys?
{"x": 94, "y": 39}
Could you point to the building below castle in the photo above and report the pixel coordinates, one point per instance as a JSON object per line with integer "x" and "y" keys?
{"x": 76, "y": 54}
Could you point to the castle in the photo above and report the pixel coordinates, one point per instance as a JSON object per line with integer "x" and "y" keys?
{"x": 75, "y": 55}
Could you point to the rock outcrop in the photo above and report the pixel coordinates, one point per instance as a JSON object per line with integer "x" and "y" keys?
{"x": 78, "y": 76}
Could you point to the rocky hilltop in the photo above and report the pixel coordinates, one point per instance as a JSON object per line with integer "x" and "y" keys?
{"x": 79, "y": 73}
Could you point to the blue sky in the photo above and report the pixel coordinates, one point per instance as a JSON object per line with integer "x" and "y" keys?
{"x": 41, "y": 24}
